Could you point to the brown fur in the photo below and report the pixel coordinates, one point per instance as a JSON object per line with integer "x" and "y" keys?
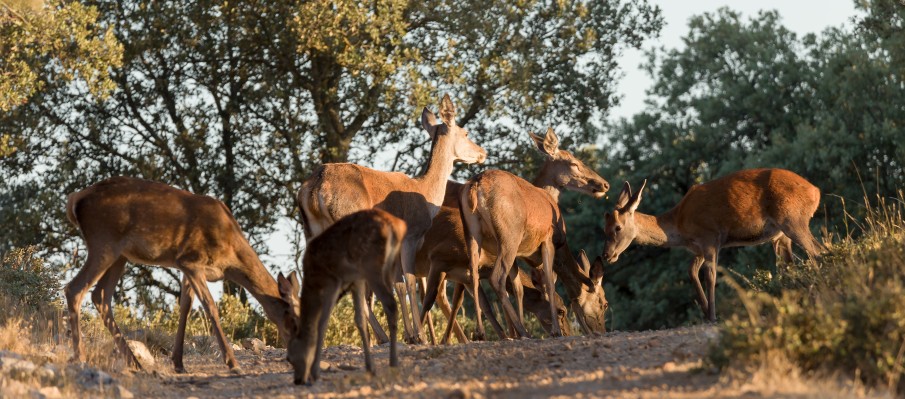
{"x": 140, "y": 221}
{"x": 357, "y": 253}
{"x": 748, "y": 207}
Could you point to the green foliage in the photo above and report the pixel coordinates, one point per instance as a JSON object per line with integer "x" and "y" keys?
{"x": 845, "y": 312}
{"x": 747, "y": 93}
{"x": 25, "y": 280}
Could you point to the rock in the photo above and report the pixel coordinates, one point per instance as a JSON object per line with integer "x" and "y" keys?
{"x": 325, "y": 366}
{"x": 90, "y": 378}
{"x": 12, "y": 388}
{"x": 237, "y": 347}
{"x": 13, "y": 355}
{"x": 121, "y": 392}
{"x": 19, "y": 366}
{"x": 253, "y": 344}
{"x": 141, "y": 352}
{"x": 47, "y": 393}
{"x": 46, "y": 372}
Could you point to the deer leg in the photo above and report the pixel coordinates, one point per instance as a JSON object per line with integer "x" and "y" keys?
{"x": 95, "y": 265}
{"x": 457, "y": 303}
{"x": 443, "y": 301}
{"x": 435, "y": 280}
{"x": 409, "y": 249}
{"x": 473, "y": 241}
{"x": 326, "y": 307}
{"x": 782, "y": 247}
{"x": 547, "y": 250}
{"x": 385, "y": 296}
{"x": 359, "y": 291}
{"x": 518, "y": 291}
{"x": 186, "y": 296}
{"x": 498, "y": 279}
{"x": 710, "y": 273}
{"x": 430, "y": 318}
{"x": 102, "y": 296}
{"x": 375, "y": 324}
{"x": 693, "y": 274}
{"x": 199, "y": 284}
{"x": 799, "y": 232}
{"x": 489, "y": 313}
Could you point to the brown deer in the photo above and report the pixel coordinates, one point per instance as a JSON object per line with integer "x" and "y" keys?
{"x": 509, "y": 217}
{"x": 748, "y": 207}
{"x": 357, "y": 253}
{"x": 127, "y": 219}
{"x": 337, "y": 190}
{"x": 444, "y": 255}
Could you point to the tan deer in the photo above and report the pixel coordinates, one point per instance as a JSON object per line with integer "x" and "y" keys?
{"x": 509, "y": 217}
{"x": 337, "y": 190}
{"x": 444, "y": 255}
{"x": 357, "y": 253}
{"x": 126, "y": 219}
{"x": 748, "y": 207}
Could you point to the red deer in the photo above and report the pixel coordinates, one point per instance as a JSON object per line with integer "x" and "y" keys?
{"x": 358, "y": 253}
{"x": 748, "y": 207}
{"x": 509, "y": 217}
{"x": 126, "y": 219}
{"x": 337, "y": 190}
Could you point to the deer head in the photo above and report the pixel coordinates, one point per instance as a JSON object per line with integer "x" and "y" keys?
{"x": 620, "y": 228}
{"x": 290, "y": 293}
{"x": 448, "y": 133}
{"x": 543, "y": 310}
{"x": 591, "y": 302}
{"x": 567, "y": 171}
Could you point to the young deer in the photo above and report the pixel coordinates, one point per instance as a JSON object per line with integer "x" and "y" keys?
{"x": 337, "y": 190}
{"x": 126, "y": 219}
{"x": 510, "y": 218}
{"x": 748, "y": 207}
{"x": 357, "y": 253}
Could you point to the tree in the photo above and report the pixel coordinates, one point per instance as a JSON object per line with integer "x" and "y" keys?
{"x": 239, "y": 100}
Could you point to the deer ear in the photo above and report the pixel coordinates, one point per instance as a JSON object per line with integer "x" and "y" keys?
{"x": 596, "y": 272}
{"x": 636, "y": 199}
{"x": 447, "y": 111}
{"x": 548, "y": 145}
{"x": 289, "y": 287}
{"x": 537, "y": 278}
{"x": 624, "y": 197}
{"x": 583, "y": 258}
{"x": 429, "y": 122}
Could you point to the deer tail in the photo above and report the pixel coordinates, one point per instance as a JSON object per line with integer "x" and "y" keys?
{"x": 71, "y": 203}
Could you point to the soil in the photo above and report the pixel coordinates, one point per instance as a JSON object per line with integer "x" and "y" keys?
{"x": 617, "y": 364}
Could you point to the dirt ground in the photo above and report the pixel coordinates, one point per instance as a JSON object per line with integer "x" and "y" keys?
{"x": 651, "y": 364}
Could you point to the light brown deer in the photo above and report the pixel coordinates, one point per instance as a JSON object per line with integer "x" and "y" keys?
{"x": 510, "y": 218}
{"x": 748, "y": 207}
{"x": 444, "y": 255}
{"x": 337, "y": 190}
{"x": 126, "y": 219}
{"x": 357, "y": 253}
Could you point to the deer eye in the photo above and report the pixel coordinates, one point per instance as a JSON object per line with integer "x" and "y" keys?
{"x": 618, "y": 228}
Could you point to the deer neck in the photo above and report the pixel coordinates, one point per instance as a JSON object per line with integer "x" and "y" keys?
{"x": 432, "y": 181}
{"x": 659, "y": 231}
{"x": 569, "y": 272}
{"x": 546, "y": 180}
{"x": 262, "y": 286}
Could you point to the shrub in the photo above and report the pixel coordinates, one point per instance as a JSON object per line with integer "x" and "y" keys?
{"x": 845, "y": 312}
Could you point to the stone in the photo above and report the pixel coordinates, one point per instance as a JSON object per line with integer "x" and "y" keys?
{"x": 46, "y": 372}
{"x": 142, "y": 354}
{"x": 90, "y": 378}
{"x": 121, "y": 392}
{"x": 13, "y": 365}
{"x": 237, "y": 347}
{"x": 47, "y": 393}
{"x": 253, "y": 344}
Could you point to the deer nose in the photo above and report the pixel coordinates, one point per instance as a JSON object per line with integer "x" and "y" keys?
{"x": 606, "y": 186}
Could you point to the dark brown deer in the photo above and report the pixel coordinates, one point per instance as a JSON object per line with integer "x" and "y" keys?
{"x": 126, "y": 219}
{"x": 337, "y": 190}
{"x": 748, "y": 207}
{"x": 357, "y": 253}
{"x": 509, "y": 217}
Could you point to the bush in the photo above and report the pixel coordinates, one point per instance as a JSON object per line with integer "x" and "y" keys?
{"x": 845, "y": 312}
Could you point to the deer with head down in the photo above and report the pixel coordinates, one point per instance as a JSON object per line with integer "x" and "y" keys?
{"x": 337, "y": 190}
{"x": 125, "y": 219}
{"x": 509, "y": 217}
{"x": 748, "y": 207}
{"x": 358, "y": 253}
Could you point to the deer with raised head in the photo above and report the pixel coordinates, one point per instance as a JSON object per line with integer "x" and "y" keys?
{"x": 509, "y": 217}
{"x": 126, "y": 219}
{"x": 444, "y": 255}
{"x": 337, "y": 190}
{"x": 358, "y": 253}
{"x": 748, "y": 207}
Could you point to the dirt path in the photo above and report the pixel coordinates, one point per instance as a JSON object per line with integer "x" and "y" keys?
{"x": 620, "y": 364}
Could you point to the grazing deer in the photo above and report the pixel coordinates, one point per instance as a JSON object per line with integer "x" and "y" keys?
{"x": 748, "y": 207}
{"x": 357, "y": 253}
{"x": 508, "y": 217}
{"x": 337, "y": 190}
{"x": 126, "y": 219}
{"x": 444, "y": 255}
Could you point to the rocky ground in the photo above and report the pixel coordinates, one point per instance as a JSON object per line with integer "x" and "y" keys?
{"x": 651, "y": 364}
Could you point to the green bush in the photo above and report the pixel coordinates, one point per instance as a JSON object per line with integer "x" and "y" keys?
{"x": 27, "y": 281}
{"x": 845, "y": 312}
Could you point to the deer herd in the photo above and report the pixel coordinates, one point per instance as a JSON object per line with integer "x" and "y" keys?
{"x": 372, "y": 233}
